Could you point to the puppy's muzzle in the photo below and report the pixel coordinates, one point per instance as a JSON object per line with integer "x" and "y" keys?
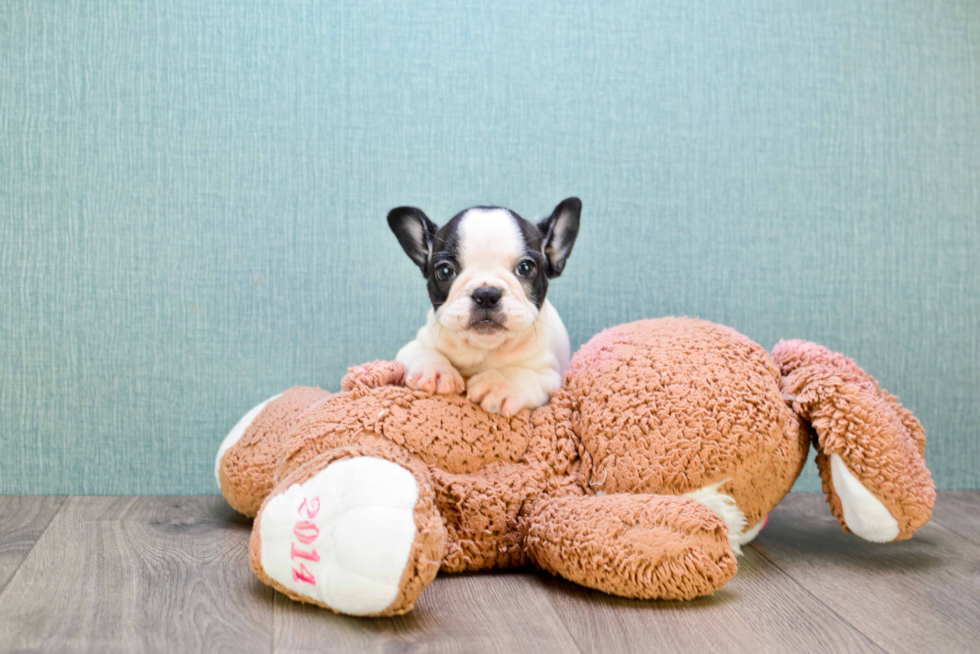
{"x": 485, "y": 316}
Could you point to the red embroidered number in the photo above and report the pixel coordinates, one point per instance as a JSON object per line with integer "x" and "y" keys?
{"x": 303, "y": 575}
{"x": 305, "y": 532}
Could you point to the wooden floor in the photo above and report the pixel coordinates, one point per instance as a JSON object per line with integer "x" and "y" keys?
{"x": 157, "y": 574}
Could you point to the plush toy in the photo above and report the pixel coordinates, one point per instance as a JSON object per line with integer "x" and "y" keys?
{"x": 664, "y": 451}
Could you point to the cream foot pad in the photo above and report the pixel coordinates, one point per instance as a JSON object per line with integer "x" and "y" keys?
{"x": 343, "y": 537}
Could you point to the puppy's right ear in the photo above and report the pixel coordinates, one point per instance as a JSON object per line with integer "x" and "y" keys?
{"x": 415, "y": 232}
{"x": 559, "y": 233}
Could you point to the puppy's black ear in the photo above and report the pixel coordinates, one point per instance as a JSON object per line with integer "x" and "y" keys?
{"x": 415, "y": 233}
{"x": 558, "y": 234}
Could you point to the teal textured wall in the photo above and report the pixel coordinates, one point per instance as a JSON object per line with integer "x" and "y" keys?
{"x": 192, "y": 198}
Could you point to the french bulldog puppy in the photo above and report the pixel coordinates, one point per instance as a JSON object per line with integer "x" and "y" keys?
{"x": 490, "y": 333}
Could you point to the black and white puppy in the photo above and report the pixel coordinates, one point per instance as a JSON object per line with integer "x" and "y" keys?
{"x": 490, "y": 333}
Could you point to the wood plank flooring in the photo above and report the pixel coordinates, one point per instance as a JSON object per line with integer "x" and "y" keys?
{"x": 170, "y": 574}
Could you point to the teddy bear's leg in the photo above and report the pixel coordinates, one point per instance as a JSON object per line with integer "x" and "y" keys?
{"x": 237, "y": 432}
{"x": 870, "y": 449}
{"x": 354, "y": 530}
{"x": 246, "y": 460}
{"x": 640, "y": 546}
{"x": 481, "y": 513}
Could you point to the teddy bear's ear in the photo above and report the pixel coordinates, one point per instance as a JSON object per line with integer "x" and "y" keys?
{"x": 870, "y": 449}
{"x": 558, "y": 233}
{"x": 415, "y": 232}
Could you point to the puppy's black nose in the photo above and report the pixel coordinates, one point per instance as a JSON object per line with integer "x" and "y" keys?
{"x": 486, "y": 297}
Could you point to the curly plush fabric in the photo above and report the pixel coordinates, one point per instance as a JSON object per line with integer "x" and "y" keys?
{"x": 480, "y": 463}
{"x": 668, "y": 442}
{"x": 247, "y": 475}
{"x": 673, "y": 405}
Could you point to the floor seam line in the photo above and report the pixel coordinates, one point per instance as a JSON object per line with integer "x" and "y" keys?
{"x": 54, "y": 515}
{"x": 819, "y": 600}
{"x": 554, "y": 610}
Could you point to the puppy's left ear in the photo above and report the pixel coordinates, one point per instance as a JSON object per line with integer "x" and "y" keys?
{"x": 558, "y": 234}
{"x": 415, "y": 232}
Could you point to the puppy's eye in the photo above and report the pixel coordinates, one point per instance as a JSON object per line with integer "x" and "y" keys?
{"x": 445, "y": 272}
{"x": 526, "y": 269}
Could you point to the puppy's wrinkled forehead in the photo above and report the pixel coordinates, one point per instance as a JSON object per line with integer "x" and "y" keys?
{"x": 486, "y": 238}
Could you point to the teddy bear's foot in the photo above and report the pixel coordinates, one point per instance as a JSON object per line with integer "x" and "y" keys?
{"x": 640, "y": 546}
{"x": 358, "y": 535}
{"x": 343, "y": 537}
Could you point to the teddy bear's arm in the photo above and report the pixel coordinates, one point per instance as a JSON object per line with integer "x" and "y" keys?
{"x": 639, "y": 546}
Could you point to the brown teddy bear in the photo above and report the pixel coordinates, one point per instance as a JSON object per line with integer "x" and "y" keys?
{"x": 667, "y": 446}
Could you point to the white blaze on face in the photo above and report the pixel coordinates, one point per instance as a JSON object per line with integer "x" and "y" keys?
{"x": 489, "y": 239}
{"x": 491, "y": 246}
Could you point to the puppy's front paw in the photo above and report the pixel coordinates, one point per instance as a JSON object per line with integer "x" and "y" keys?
{"x": 444, "y": 381}
{"x": 492, "y": 391}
